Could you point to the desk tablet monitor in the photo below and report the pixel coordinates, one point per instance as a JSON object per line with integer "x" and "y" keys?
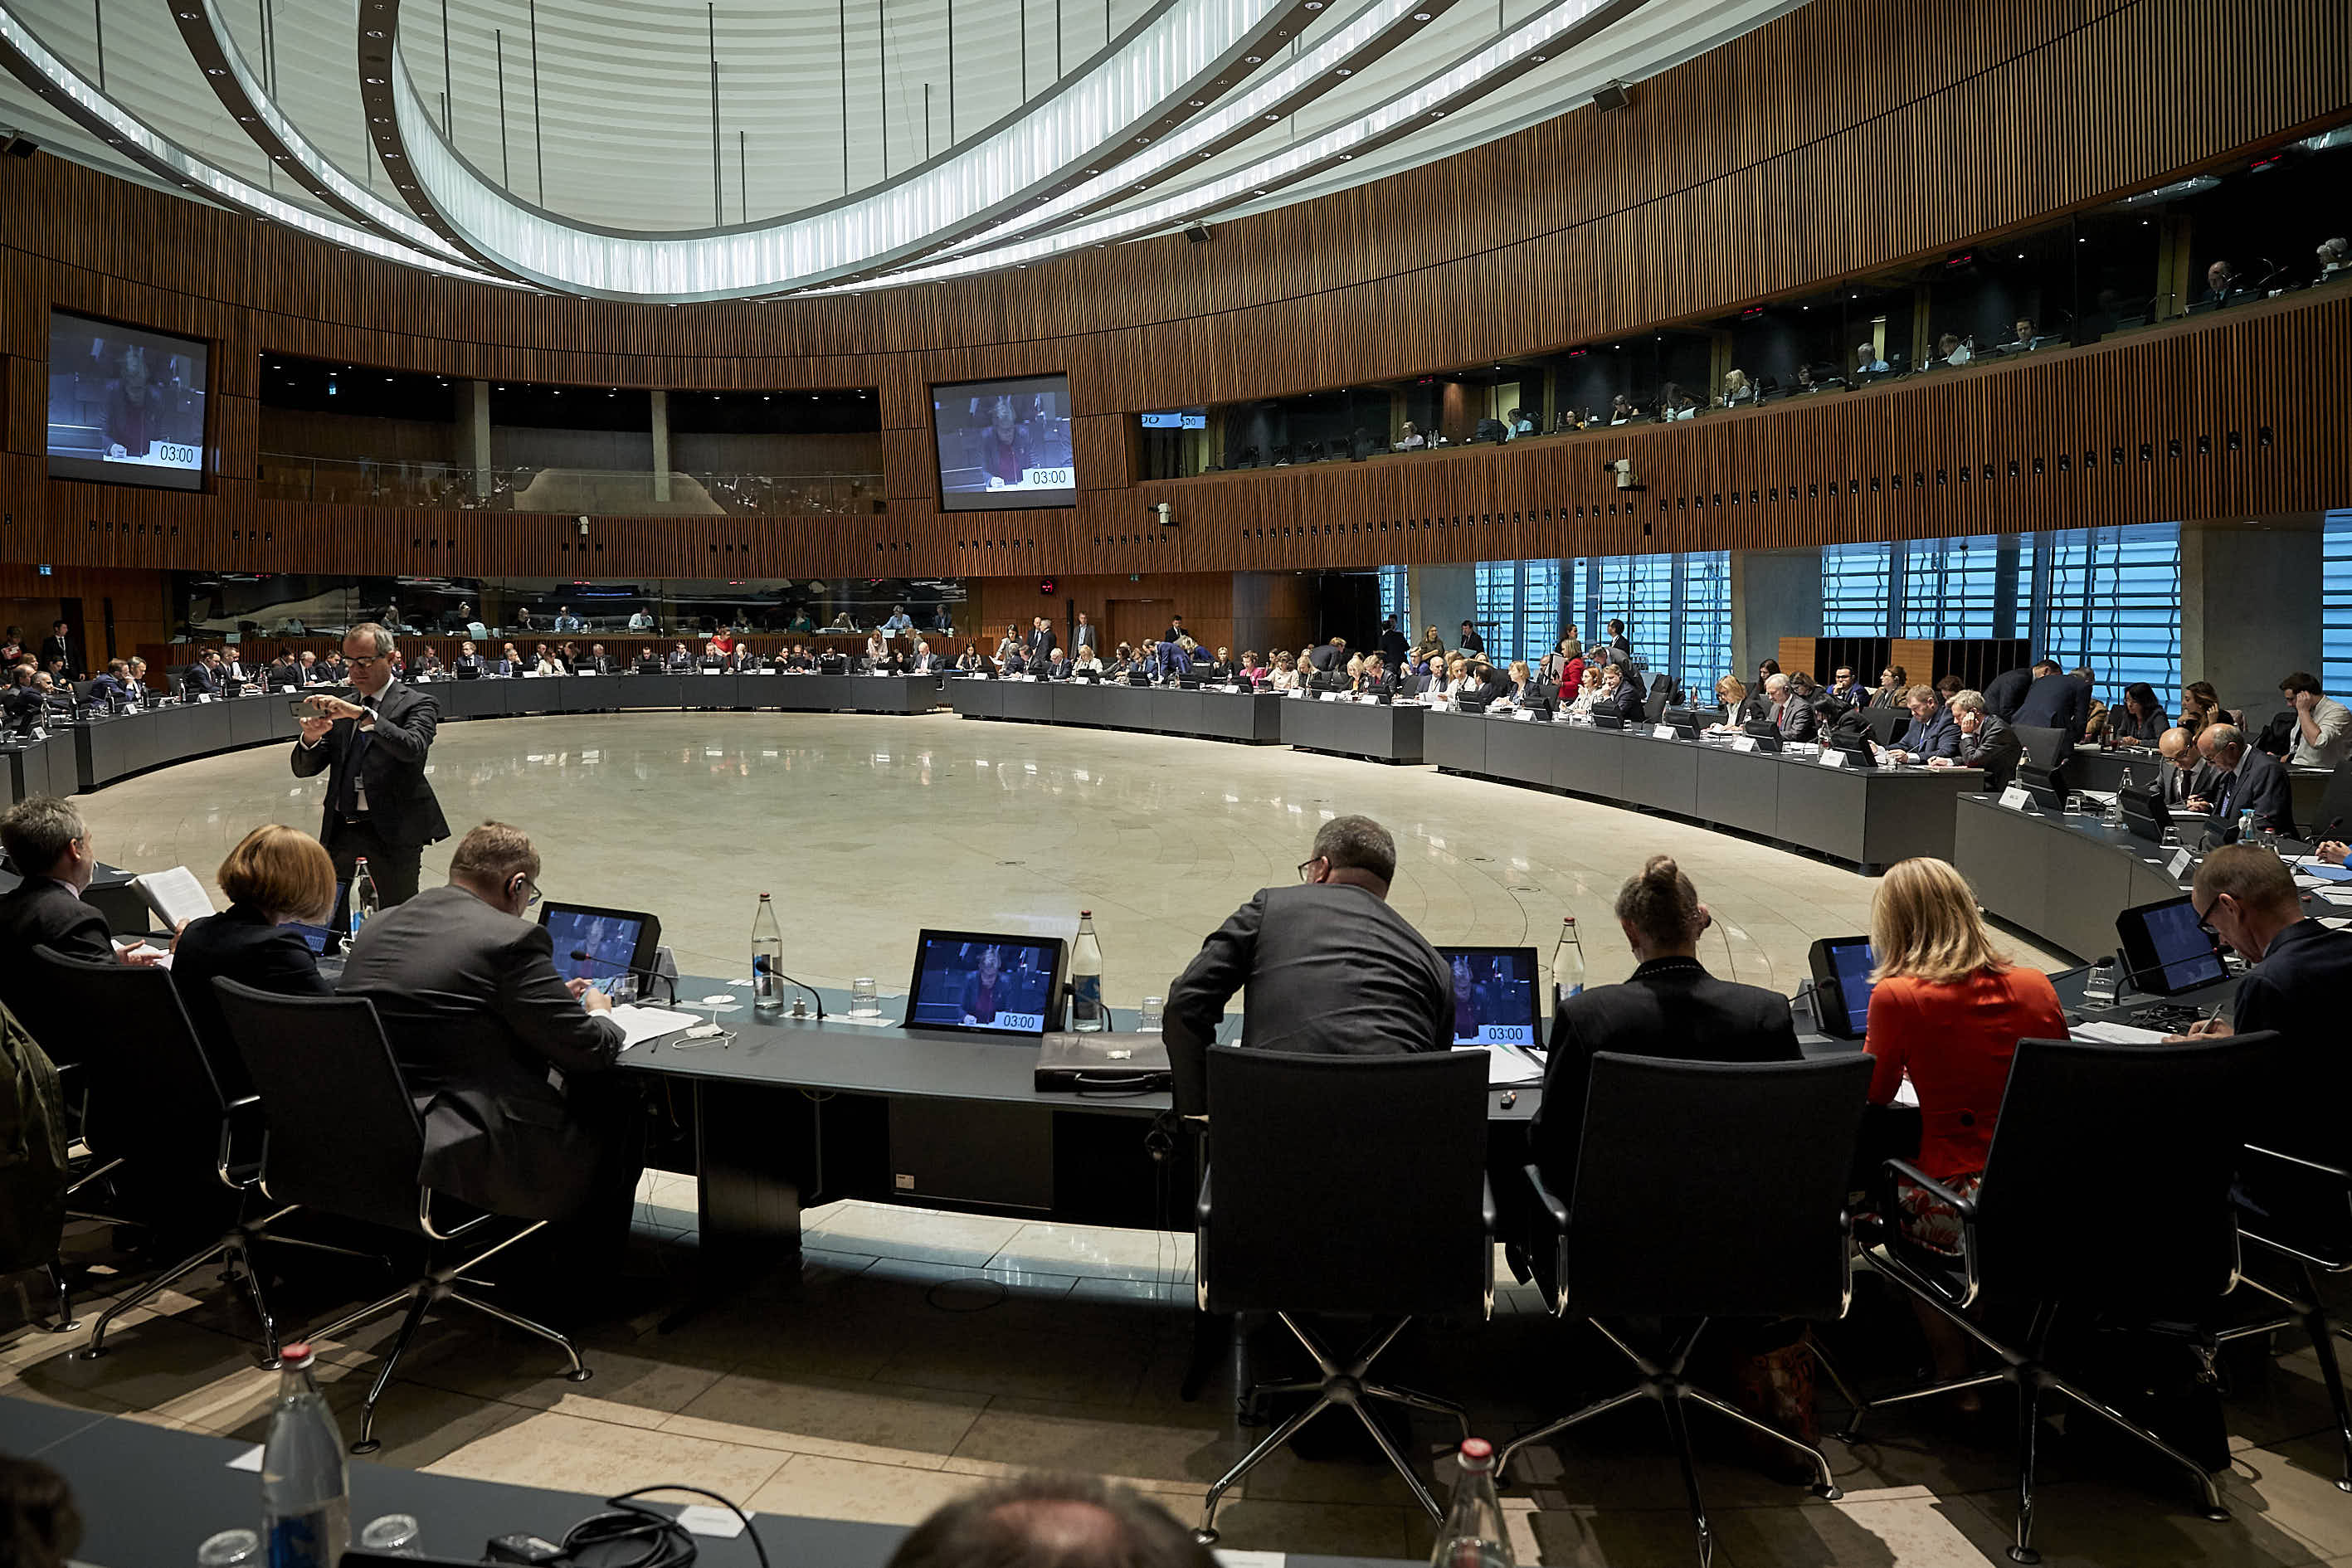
{"x": 1495, "y": 995}
{"x": 2144, "y": 813}
{"x": 986, "y": 983}
{"x": 2163, "y": 949}
{"x": 2046, "y": 785}
{"x": 615, "y": 941}
{"x": 1841, "y": 966}
{"x": 316, "y": 937}
{"x": 1601, "y": 720}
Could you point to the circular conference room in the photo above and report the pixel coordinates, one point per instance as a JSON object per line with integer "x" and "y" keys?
{"x": 1333, "y": 782}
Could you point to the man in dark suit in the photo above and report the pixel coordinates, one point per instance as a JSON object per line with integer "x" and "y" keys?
{"x": 379, "y": 802}
{"x": 1328, "y": 967}
{"x": 1471, "y": 641}
{"x": 1931, "y": 734}
{"x": 2297, "y": 986}
{"x": 2249, "y": 781}
{"x": 1987, "y": 741}
{"x": 1393, "y": 646}
{"x": 2055, "y": 701}
{"x": 1040, "y": 641}
{"x": 1621, "y": 692}
{"x": 1617, "y": 640}
{"x": 504, "y": 1058}
{"x": 1669, "y": 1006}
{"x": 2184, "y": 775}
{"x": 59, "y": 647}
{"x": 51, "y": 849}
{"x": 202, "y": 678}
{"x": 2005, "y": 691}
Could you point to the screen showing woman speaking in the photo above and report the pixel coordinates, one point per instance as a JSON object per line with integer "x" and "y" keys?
{"x": 1004, "y": 444}
{"x": 126, "y": 407}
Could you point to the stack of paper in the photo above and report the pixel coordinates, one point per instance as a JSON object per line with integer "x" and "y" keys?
{"x": 1506, "y": 1065}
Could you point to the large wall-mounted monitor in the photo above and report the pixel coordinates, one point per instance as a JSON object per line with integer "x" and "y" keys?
{"x": 126, "y": 404}
{"x": 1004, "y": 444}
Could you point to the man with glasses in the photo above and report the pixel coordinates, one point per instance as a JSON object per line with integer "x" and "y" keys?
{"x": 2246, "y": 898}
{"x": 49, "y": 847}
{"x": 379, "y": 802}
{"x": 503, "y": 1055}
{"x": 1327, "y": 966}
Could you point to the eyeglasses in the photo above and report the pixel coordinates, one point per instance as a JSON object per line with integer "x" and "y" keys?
{"x": 1308, "y": 865}
{"x": 365, "y": 658}
{"x": 2205, "y": 917}
{"x": 534, "y": 900}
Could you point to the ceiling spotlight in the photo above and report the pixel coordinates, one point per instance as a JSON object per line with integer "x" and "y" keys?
{"x": 1253, "y": 59}
{"x": 1421, "y": 16}
{"x": 1261, "y": 193}
{"x": 1274, "y": 117}
{"x": 375, "y": 32}
{"x": 215, "y": 70}
{"x": 1437, "y": 114}
{"x": 1193, "y": 103}
{"x": 1344, "y": 72}
{"x": 372, "y": 81}
{"x": 1539, "y": 59}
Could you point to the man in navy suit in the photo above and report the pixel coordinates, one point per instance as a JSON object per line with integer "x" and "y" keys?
{"x": 379, "y": 802}
{"x": 1934, "y": 733}
{"x": 2248, "y": 780}
{"x": 2056, "y": 701}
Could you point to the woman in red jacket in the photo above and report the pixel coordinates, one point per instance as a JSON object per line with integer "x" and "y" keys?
{"x": 1947, "y": 1011}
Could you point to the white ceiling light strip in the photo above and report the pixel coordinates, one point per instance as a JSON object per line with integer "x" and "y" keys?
{"x": 1206, "y": 129}
{"x": 1172, "y": 49}
{"x": 1504, "y": 55}
{"x": 361, "y": 202}
{"x": 70, "y": 91}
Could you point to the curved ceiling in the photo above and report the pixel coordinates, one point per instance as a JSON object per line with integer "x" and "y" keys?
{"x": 676, "y": 149}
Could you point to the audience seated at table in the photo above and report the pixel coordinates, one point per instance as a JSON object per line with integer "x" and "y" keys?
{"x": 1619, "y": 694}
{"x": 2320, "y": 735}
{"x": 1894, "y": 688}
{"x": 2141, "y": 721}
{"x": 2247, "y": 780}
{"x": 49, "y": 846}
{"x": 1947, "y": 1010}
{"x": 275, "y": 878}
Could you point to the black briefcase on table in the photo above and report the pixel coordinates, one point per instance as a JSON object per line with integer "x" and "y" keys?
{"x": 1119, "y": 1064}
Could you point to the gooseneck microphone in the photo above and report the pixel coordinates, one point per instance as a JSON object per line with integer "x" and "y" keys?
{"x": 582, "y": 956}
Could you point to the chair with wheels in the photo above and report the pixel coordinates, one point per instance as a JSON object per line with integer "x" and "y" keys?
{"x": 1740, "y": 1214}
{"x": 344, "y": 1138}
{"x": 2298, "y": 1214}
{"x": 2107, "y": 1191}
{"x": 1350, "y": 1186}
{"x": 157, "y": 1124}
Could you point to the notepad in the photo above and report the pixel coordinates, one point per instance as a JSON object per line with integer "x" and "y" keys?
{"x": 1506, "y": 1067}
{"x": 639, "y": 1025}
{"x": 2324, "y": 873}
{"x": 2105, "y": 1034}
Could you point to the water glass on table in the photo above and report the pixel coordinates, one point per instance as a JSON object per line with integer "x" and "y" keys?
{"x": 862, "y": 1003}
{"x": 1149, "y": 1016}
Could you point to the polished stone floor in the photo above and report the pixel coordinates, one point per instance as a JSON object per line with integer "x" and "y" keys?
{"x": 909, "y": 1353}
{"x": 866, "y": 828}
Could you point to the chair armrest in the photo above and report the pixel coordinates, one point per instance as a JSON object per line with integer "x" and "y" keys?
{"x": 2336, "y": 1171}
{"x": 1966, "y": 1208}
{"x": 1201, "y": 1200}
{"x": 1552, "y": 1206}
{"x": 224, "y": 1160}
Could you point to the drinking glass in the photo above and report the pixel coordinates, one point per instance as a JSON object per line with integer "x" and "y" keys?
{"x": 393, "y": 1535}
{"x": 2074, "y": 802}
{"x": 1148, "y": 1016}
{"x": 230, "y": 1549}
{"x": 862, "y": 1004}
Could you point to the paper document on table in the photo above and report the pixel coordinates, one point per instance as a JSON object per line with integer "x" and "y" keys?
{"x": 2105, "y": 1034}
{"x": 1907, "y": 1093}
{"x": 2324, "y": 873}
{"x": 1506, "y": 1067}
{"x": 175, "y": 894}
{"x": 639, "y": 1025}
{"x": 1250, "y": 1560}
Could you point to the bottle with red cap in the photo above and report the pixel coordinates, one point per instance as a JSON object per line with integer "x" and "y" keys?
{"x": 1472, "y": 1535}
{"x": 306, "y": 1501}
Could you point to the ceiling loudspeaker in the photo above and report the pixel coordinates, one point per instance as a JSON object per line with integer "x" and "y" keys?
{"x": 1198, "y": 233}
{"x": 16, "y": 144}
{"x": 1613, "y": 95}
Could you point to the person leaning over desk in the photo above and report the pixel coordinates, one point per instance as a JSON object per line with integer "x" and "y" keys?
{"x": 2247, "y": 780}
{"x": 1327, "y": 966}
{"x": 1987, "y": 740}
{"x": 1932, "y": 733}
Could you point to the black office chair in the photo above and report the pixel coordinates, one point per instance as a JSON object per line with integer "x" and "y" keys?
{"x": 154, "y": 1112}
{"x": 2054, "y": 1222}
{"x": 345, "y": 1139}
{"x": 1353, "y": 1185}
{"x": 1741, "y": 1214}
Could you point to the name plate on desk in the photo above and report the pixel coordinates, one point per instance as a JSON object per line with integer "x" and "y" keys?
{"x": 2177, "y": 866}
{"x": 1333, "y": 696}
{"x": 714, "y": 672}
{"x": 1832, "y": 759}
{"x": 203, "y": 696}
{"x": 1662, "y": 732}
{"x": 2017, "y": 798}
{"x": 1295, "y": 691}
{"x": 1744, "y": 744}
{"x": 1525, "y": 715}
{"x": 1229, "y": 689}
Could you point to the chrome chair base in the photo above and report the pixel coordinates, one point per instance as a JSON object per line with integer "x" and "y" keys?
{"x": 439, "y": 1285}
{"x": 1662, "y": 1379}
{"x": 235, "y": 1251}
{"x": 1338, "y": 1385}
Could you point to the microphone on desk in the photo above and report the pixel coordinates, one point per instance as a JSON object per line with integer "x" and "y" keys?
{"x": 2319, "y": 837}
{"x": 582, "y": 956}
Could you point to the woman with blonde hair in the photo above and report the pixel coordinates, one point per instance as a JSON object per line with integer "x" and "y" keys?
{"x": 1731, "y": 691}
{"x": 1736, "y": 388}
{"x": 1947, "y": 1010}
{"x": 276, "y": 877}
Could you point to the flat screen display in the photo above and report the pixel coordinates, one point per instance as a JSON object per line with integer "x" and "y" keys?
{"x": 600, "y": 946}
{"x": 1494, "y": 996}
{"x": 1004, "y": 444}
{"x": 2164, "y": 949}
{"x": 1176, "y": 420}
{"x": 126, "y": 405}
{"x": 977, "y": 981}
{"x": 1841, "y": 967}
{"x": 314, "y": 937}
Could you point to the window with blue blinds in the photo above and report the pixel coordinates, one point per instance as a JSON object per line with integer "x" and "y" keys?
{"x": 1980, "y": 585}
{"x": 1538, "y": 609}
{"x": 1497, "y": 609}
{"x": 2335, "y": 605}
{"x": 2110, "y": 599}
{"x": 1396, "y": 599}
{"x": 1676, "y": 608}
{"x": 1857, "y": 590}
{"x": 1702, "y": 644}
{"x": 1518, "y": 609}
